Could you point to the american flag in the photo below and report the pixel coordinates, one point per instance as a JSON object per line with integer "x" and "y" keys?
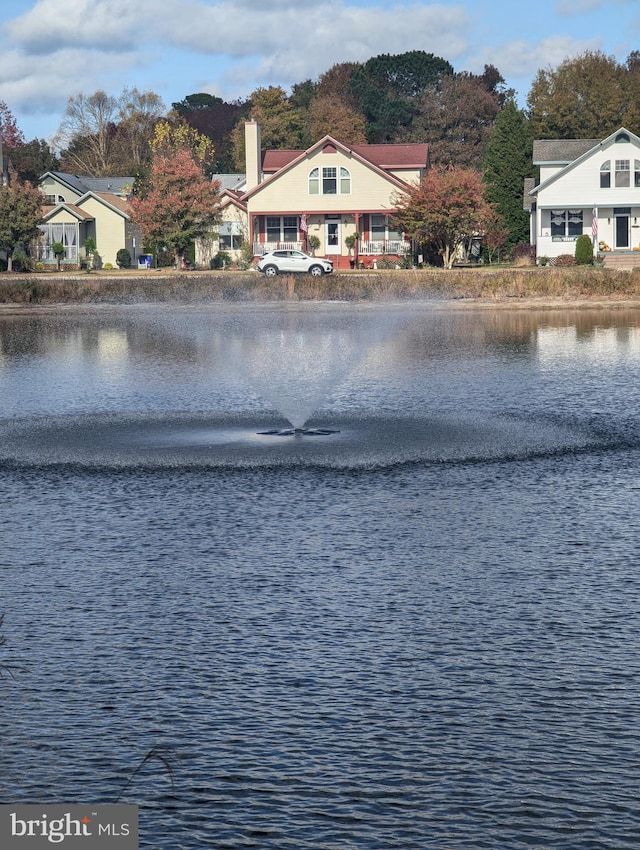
{"x": 304, "y": 227}
{"x": 594, "y": 223}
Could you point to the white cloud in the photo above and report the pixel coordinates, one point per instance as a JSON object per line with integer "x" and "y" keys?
{"x": 109, "y": 26}
{"x": 59, "y": 47}
{"x": 519, "y": 59}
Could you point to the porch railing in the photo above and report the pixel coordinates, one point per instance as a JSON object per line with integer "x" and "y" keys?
{"x": 260, "y": 248}
{"x": 383, "y": 246}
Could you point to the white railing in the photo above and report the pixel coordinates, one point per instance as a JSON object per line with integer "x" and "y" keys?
{"x": 383, "y": 246}
{"x": 260, "y": 248}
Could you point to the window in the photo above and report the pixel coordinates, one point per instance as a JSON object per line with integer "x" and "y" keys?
{"x": 331, "y": 182}
{"x": 566, "y": 224}
{"x": 622, "y": 173}
{"x": 65, "y": 233}
{"x": 282, "y": 228}
{"x": 636, "y": 173}
{"x": 383, "y": 229}
{"x": 605, "y": 175}
{"x": 230, "y": 235}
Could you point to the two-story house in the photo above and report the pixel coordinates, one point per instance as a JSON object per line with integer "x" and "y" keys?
{"x": 332, "y": 191}
{"x": 80, "y": 207}
{"x": 586, "y": 186}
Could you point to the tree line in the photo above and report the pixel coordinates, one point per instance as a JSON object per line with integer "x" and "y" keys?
{"x": 470, "y": 121}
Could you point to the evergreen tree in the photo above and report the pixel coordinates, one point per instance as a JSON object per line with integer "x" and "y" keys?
{"x": 507, "y": 161}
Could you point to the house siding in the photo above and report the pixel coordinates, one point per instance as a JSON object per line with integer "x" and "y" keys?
{"x": 576, "y": 187}
{"x": 290, "y": 192}
{"x": 109, "y": 230}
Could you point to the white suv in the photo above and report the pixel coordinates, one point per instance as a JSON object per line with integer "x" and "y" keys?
{"x": 276, "y": 262}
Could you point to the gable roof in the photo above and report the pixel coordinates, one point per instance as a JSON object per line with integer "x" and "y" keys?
{"x": 413, "y": 155}
{"x": 594, "y": 146}
{"x": 560, "y": 151}
{"x": 108, "y": 199}
{"x": 75, "y": 211}
{"x": 83, "y": 184}
{"x": 279, "y": 162}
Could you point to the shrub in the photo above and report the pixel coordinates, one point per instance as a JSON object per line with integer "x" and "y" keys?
{"x": 20, "y": 261}
{"x": 108, "y": 266}
{"x": 584, "y": 251}
{"x": 565, "y": 260}
{"x": 524, "y": 254}
{"x": 123, "y": 258}
{"x": 220, "y": 261}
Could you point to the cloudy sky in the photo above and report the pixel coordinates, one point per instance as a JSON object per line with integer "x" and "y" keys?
{"x": 51, "y": 49}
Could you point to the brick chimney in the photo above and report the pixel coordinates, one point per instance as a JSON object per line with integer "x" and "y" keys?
{"x": 252, "y": 154}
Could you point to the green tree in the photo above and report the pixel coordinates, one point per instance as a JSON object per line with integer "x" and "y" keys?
{"x": 385, "y": 88}
{"x": 585, "y": 97}
{"x": 507, "y": 162}
{"x": 457, "y": 117}
{"x": 20, "y": 214}
{"x": 179, "y": 204}
{"x": 281, "y": 126}
{"x": 214, "y": 118}
{"x": 444, "y": 210}
{"x": 33, "y": 159}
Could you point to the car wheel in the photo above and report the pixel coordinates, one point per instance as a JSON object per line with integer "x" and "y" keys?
{"x": 271, "y": 271}
{"x": 316, "y": 271}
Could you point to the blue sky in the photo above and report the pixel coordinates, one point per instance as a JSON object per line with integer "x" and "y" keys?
{"x": 52, "y": 49}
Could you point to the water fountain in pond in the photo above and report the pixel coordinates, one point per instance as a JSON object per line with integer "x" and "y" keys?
{"x": 230, "y": 386}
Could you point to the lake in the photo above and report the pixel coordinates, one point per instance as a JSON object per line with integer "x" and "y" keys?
{"x": 419, "y": 631}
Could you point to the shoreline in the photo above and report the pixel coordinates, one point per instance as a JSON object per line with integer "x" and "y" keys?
{"x": 513, "y": 288}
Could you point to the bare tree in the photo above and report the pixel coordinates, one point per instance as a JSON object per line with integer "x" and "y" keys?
{"x": 86, "y": 131}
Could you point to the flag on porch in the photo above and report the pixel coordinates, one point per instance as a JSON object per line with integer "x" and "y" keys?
{"x": 304, "y": 227}
{"x": 594, "y": 224}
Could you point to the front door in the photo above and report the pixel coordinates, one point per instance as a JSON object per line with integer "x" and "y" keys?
{"x": 622, "y": 231}
{"x": 332, "y": 235}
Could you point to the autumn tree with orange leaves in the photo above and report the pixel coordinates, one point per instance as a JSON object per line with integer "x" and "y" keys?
{"x": 445, "y": 209}
{"x": 177, "y": 204}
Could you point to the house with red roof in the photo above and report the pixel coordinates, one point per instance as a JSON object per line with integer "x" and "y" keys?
{"x": 341, "y": 194}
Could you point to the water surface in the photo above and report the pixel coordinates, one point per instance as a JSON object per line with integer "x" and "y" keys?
{"x": 419, "y": 632}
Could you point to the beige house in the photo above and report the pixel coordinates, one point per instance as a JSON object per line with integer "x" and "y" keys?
{"x": 81, "y": 207}
{"x": 331, "y": 191}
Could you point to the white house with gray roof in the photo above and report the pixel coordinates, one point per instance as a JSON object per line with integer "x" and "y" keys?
{"x": 587, "y": 186}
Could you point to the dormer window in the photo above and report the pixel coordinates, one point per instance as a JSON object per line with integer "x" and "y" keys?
{"x": 605, "y": 175}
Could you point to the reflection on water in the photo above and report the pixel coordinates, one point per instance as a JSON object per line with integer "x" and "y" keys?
{"x": 435, "y": 648}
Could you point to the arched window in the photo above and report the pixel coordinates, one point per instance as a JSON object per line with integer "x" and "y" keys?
{"x": 334, "y": 181}
{"x": 605, "y": 175}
